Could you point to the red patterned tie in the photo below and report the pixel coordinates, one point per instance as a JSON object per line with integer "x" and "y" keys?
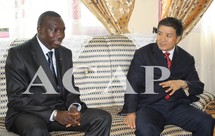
{"x": 169, "y": 62}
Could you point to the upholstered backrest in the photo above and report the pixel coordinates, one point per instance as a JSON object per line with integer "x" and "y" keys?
{"x": 3, "y": 97}
{"x": 102, "y": 68}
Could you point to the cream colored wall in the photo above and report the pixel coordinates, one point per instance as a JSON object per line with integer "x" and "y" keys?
{"x": 144, "y": 16}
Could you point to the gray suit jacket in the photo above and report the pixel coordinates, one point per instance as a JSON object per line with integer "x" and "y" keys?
{"x": 22, "y": 63}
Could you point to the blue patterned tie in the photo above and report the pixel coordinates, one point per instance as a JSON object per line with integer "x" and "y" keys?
{"x": 50, "y": 62}
{"x": 51, "y": 65}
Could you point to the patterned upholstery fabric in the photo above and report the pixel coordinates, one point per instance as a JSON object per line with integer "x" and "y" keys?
{"x": 102, "y": 68}
{"x": 100, "y": 72}
{"x": 3, "y": 100}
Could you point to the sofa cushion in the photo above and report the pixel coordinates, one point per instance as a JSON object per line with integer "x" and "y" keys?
{"x": 118, "y": 127}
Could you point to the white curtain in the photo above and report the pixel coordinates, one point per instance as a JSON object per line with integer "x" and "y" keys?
{"x": 200, "y": 42}
{"x": 22, "y": 15}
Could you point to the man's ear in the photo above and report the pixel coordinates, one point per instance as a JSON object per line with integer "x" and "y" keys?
{"x": 38, "y": 29}
{"x": 178, "y": 39}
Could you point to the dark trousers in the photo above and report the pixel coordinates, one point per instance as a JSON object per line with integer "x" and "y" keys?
{"x": 151, "y": 119}
{"x": 94, "y": 122}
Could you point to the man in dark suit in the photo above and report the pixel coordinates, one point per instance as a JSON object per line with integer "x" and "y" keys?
{"x": 148, "y": 111}
{"x": 35, "y": 111}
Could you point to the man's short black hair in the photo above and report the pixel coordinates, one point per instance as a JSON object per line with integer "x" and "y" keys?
{"x": 172, "y": 22}
{"x": 44, "y": 15}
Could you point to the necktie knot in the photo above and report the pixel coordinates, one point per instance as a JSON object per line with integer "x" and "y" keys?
{"x": 166, "y": 54}
{"x": 49, "y": 54}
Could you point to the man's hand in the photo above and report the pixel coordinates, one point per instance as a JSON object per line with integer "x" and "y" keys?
{"x": 130, "y": 120}
{"x": 173, "y": 86}
{"x": 69, "y": 118}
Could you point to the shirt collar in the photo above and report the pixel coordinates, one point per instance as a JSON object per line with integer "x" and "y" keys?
{"x": 170, "y": 53}
{"x": 44, "y": 48}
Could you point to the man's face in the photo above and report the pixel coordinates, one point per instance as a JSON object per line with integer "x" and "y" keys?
{"x": 167, "y": 38}
{"x": 51, "y": 32}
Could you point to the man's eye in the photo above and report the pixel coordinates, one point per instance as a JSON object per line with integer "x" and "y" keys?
{"x": 56, "y": 30}
{"x": 51, "y": 30}
{"x": 169, "y": 36}
{"x": 159, "y": 33}
{"x": 62, "y": 31}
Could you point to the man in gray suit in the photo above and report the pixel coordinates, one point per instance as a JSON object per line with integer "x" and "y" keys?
{"x": 34, "y": 111}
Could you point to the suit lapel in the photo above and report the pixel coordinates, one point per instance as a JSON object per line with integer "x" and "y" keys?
{"x": 175, "y": 59}
{"x": 159, "y": 56}
{"x": 58, "y": 55}
{"x": 41, "y": 60}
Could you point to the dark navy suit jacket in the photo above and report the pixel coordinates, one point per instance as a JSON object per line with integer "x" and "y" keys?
{"x": 183, "y": 67}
